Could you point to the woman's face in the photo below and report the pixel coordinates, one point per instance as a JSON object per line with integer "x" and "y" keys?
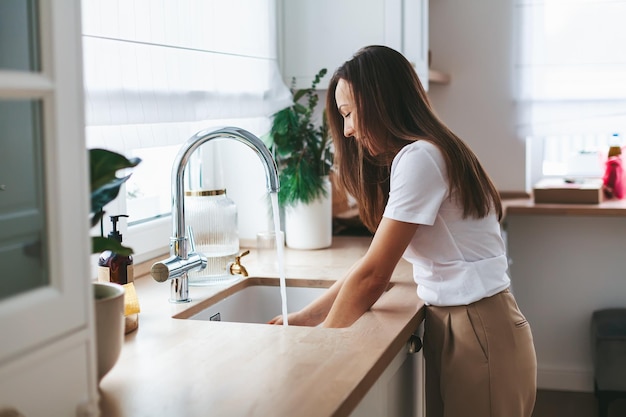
{"x": 348, "y": 110}
{"x": 346, "y": 107}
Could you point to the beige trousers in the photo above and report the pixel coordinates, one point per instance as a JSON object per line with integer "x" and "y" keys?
{"x": 480, "y": 360}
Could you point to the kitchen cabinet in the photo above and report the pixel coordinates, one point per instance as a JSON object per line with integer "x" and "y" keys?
{"x": 47, "y": 358}
{"x": 317, "y": 34}
{"x": 399, "y": 392}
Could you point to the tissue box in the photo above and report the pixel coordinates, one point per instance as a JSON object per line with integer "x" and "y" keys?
{"x": 559, "y": 191}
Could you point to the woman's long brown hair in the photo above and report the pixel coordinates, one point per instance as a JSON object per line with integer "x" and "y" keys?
{"x": 392, "y": 111}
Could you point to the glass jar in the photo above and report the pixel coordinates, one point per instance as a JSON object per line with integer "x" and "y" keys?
{"x": 212, "y": 217}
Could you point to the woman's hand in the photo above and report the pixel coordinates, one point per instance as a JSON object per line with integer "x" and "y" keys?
{"x": 298, "y": 318}
{"x": 315, "y": 313}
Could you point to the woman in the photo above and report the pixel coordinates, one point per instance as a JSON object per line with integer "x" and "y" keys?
{"x": 426, "y": 197}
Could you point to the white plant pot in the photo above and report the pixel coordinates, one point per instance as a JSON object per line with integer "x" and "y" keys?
{"x": 310, "y": 226}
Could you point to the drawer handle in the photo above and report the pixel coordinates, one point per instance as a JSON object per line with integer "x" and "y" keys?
{"x": 414, "y": 344}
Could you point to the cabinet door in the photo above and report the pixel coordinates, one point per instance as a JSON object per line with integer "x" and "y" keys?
{"x": 415, "y": 36}
{"x": 48, "y": 383}
{"x": 44, "y": 235}
{"x": 398, "y": 392}
{"x": 319, "y": 34}
{"x": 325, "y": 33}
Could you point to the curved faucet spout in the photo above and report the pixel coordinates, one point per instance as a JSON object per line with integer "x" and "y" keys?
{"x": 181, "y": 251}
{"x": 180, "y": 162}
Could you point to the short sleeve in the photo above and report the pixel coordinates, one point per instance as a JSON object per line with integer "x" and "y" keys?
{"x": 418, "y": 184}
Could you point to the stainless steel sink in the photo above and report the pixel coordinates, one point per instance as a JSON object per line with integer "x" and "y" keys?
{"x": 255, "y": 300}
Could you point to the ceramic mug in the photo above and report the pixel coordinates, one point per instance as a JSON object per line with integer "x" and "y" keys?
{"x": 109, "y": 316}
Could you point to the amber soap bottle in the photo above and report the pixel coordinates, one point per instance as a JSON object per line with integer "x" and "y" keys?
{"x": 113, "y": 267}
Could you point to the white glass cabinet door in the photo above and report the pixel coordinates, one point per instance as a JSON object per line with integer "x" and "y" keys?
{"x": 22, "y": 211}
{"x": 45, "y": 290}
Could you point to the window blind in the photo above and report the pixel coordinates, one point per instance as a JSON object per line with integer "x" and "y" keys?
{"x": 571, "y": 67}
{"x": 153, "y": 68}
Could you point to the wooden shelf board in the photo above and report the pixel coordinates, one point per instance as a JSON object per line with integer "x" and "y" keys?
{"x": 438, "y": 77}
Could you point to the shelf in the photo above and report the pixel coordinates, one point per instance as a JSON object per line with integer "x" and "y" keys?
{"x": 438, "y": 77}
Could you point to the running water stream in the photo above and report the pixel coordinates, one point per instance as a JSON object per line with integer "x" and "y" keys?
{"x": 280, "y": 253}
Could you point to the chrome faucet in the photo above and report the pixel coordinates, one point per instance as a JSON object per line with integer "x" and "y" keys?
{"x": 183, "y": 257}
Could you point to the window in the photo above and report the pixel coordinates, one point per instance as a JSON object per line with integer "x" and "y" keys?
{"x": 155, "y": 73}
{"x": 571, "y": 68}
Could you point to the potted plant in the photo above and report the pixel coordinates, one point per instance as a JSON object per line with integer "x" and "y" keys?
{"x": 104, "y": 187}
{"x": 109, "y": 297}
{"x": 303, "y": 153}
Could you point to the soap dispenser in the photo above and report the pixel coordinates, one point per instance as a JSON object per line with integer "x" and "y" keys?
{"x": 113, "y": 267}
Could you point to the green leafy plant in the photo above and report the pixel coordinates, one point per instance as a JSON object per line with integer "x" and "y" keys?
{"x": 301, "y": 149}
{"x": 105, "y": 186}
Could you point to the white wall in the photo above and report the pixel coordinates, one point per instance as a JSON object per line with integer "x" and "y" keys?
{"x": 563, "y": 268}
{"x": 473, "y": 41}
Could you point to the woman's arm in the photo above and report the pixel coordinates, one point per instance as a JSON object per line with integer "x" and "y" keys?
{"x": 367, "y": 279}
{"x": 352, "y": 295}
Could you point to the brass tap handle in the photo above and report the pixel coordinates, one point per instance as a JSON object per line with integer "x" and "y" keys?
{"x": 236, "y": 268}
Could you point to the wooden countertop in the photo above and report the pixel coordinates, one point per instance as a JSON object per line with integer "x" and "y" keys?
{"x": 526, "y": 206}
{"x": 174, "y": 367}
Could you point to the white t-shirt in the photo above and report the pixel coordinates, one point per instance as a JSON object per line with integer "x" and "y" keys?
{"x": 455, "y": 261}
